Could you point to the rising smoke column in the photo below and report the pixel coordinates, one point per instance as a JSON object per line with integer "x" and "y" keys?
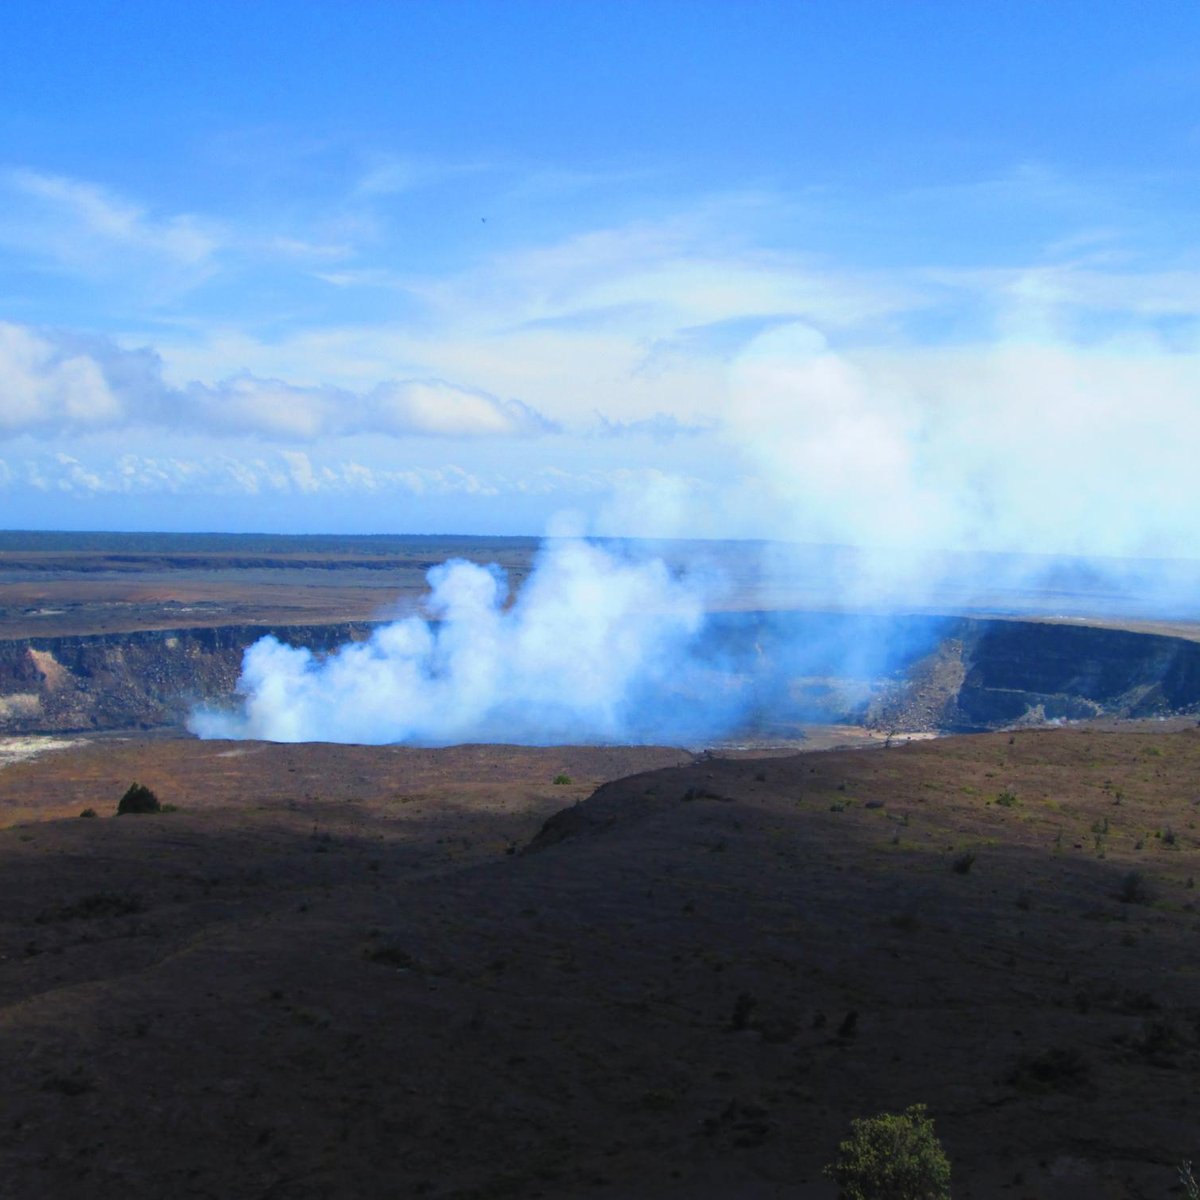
{"x": 597, "y": 646}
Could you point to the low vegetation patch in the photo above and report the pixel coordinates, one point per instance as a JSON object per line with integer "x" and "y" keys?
{"x": 95, "y": 906}
{"x": 390, "y": 955}
{"x": 1056, "y": 1070}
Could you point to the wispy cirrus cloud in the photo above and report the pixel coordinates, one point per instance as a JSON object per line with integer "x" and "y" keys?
{"x": 142, "y": 256}
{"x": 80, "y": 225}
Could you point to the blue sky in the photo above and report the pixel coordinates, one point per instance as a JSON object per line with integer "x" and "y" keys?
{"x": 901, "y": 273}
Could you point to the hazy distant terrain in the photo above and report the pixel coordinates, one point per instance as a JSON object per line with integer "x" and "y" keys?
{"x": 55, "y": 583}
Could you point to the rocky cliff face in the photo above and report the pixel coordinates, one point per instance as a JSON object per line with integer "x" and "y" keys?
{"x": 133, "y": 680}
{"x": 904, "y": 673}
{"x": 1020, "y": 670}
{"x": 983, "y": 674}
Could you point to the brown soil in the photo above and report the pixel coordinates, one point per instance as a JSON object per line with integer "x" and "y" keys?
{"x": 331, "y": 973}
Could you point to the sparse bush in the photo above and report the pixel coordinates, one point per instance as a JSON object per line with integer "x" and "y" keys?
{"x": 964, "y": 862}
{"x": 390, "y": 955}
{"x": 1059, "y": 1069}
{"x": 743, "y": 1007}
{"x": 1190, "y": 1188}
{"x": 894, "y": 1156}
{"x": 1135, "y": 889}
{"x": 1007, "y": 799}
{"x": 94, "y": 907}
{"x": 88, "y": 812}
{"x": 138, "y": 799}
{"x": 562, "y": 780}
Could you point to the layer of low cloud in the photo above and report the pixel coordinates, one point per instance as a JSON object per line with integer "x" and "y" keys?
{"x": 283, "y": 472}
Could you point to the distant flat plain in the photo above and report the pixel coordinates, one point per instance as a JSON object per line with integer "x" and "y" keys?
{"x": 67, "y": 584}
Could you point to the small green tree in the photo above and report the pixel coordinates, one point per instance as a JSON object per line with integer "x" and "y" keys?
{"x": 894, "y": 1156}
{"x": 138, "y": 799}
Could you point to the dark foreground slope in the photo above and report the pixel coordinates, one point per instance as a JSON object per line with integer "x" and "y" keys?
{"x": 909, "y": 673}
{"x": 327, "y": 976}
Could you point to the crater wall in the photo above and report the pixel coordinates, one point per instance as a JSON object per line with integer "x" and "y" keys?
{"x": 144, "y": 680}
{"x": 906, "y": 672}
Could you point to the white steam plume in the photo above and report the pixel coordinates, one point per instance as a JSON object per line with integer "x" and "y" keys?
{"x": 596, "y": 647}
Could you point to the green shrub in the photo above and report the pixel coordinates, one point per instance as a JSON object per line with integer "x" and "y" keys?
{"x": 894, "y": 1156}
{"x": 1007, "y": 799}
{"x": 138, "y": 799}
{"x": 562, "y": 780}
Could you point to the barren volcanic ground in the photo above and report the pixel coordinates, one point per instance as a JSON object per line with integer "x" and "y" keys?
{"x": 352, "y": 972}
{"x": 63, "y": 584}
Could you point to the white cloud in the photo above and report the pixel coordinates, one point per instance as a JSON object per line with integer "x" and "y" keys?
{"x": 300, "y": 471}
{"x": 53, "y": 383}
{"x": 440, "y": 409}
{"x": 286, "y": 472}
{"x": 269, "y": 408}
{"x": 661, "y": 427}
{"x": 47, "y": 387}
